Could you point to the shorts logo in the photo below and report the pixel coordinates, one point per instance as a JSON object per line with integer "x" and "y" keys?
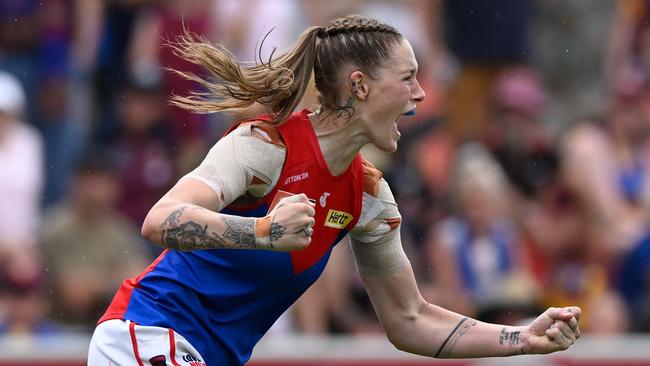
{"x": 337, "y": 219}
{"x": 323, "y": 199}
{"x": 193, "y": 361}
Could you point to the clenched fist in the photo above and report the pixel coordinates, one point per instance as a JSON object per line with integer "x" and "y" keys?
{"x": 555, "y": 330}
{"x": 290, "y": 224}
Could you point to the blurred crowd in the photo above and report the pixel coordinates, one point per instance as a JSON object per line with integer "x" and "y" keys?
{"x": 520, "y": 187}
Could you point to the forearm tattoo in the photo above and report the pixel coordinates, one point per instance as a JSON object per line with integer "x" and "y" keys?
{"x": 190, "y": 235}
{"x": 452, "y": 339}
{"x": 510, "y": 338}
{"x": 240, "y": 231}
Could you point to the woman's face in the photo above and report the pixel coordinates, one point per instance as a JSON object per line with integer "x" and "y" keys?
{"x": 393, "y": 92}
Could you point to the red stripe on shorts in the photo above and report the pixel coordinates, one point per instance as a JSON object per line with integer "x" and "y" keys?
{"x": 135, "y": 343}
{"x": 172, "y": 348}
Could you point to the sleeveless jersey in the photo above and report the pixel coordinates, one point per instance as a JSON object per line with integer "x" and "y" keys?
{"x": 224, "y": 300}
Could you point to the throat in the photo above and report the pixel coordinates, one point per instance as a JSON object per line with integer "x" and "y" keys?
{"x": 338, "y": 146}
{"x": 337, "y": 153}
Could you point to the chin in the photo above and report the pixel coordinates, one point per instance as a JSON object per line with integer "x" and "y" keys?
{"x": 388, "y": 148}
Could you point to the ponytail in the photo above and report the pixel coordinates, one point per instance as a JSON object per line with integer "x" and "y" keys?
{"x": 279, "y": 84}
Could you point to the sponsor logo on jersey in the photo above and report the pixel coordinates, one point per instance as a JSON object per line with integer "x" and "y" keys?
{"x": 323, "y": 199}
{"x": 337, "y": 219}
{"x": 297, "y": 178}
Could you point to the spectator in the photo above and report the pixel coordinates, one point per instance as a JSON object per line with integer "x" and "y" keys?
{"x": 634, "y": 285}
{"x": 22, "y": 278}
{"x": 88, "y": 246}
{"x": 484, "y": 37}
{"x": 608, "y": 164}
{"x": 474, "y": 254}
{"x": 144, "y": 162}
{"x": 21, "y": 164}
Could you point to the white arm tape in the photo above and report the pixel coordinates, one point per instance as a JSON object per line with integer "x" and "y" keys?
{"x": 232, "y": 162}
{"x": 377, "y": 246}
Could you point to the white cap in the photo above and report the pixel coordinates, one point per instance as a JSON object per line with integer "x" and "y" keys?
{"x": 12, "y": 95}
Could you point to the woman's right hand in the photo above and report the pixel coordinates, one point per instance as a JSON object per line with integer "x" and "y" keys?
{"x": 291, "y": 223}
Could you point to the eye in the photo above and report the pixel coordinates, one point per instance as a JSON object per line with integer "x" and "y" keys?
{"x": 408, "y": 78}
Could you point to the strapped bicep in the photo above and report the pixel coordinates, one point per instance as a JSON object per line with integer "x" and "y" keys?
{"x": 239, "y": 163}
{"x": 375, "y": 241}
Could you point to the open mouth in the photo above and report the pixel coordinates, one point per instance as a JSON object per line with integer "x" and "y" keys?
{"x": 409, "y": 113}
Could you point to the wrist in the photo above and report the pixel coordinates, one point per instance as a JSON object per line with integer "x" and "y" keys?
{"x": 514, "y": 340}
{"x": 523, "y": 348}
{"x": 263, "y": 232}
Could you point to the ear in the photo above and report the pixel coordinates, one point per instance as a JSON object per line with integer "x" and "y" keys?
{"x": 358, "y": 85}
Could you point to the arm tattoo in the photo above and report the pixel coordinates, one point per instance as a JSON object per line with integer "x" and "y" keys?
{"x": 511, "y": 338}
{"x": 452, "y": 339}
{"x": 173, "y": 219}
{"x": 240, "y": 230}
{"x": 191, "y": 235}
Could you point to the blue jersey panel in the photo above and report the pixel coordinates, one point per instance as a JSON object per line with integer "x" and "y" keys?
{"x": 244, "y": 290}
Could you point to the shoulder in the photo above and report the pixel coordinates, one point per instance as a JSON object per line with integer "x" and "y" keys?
{"x": 371, "y": 178}
{"x": 260, "y": 149}
{"x": 379, "y": 213}
{"x": 262, "y": 130}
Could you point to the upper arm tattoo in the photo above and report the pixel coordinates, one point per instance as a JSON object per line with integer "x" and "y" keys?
{"x": 452, "y": 339}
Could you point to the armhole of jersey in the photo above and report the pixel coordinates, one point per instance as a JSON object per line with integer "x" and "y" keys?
{"x": 266, "y": 132}
{"x": 371, "y": 206}
{"x": 371, "y": 178}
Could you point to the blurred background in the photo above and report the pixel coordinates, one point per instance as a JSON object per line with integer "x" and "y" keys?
{"x": 523, "y": 181}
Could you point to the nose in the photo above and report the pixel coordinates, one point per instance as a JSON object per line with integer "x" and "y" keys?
{"x": 418, "y": 93}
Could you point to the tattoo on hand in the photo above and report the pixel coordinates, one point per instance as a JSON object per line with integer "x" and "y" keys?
{"x": 277, "y": 231}
{"x": 512, "y": 338}
{"x": 454, "y": 337}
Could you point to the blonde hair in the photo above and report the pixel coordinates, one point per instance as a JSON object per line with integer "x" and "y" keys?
{"x": 280, "y": 83}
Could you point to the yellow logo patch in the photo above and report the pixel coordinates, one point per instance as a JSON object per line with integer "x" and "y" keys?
{"x": 337, "y": 219}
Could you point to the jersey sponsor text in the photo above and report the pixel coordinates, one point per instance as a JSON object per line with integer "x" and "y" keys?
{"x": 337, "y": 219}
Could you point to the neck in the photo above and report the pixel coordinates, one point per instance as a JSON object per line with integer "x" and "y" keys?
{"x": 340, "y": 139}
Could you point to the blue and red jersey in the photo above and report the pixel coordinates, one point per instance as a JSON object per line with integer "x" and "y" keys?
{"x": 224, "y": 300}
